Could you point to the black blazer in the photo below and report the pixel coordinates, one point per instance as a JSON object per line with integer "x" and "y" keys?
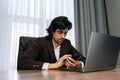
{"x": 42, "y": 51}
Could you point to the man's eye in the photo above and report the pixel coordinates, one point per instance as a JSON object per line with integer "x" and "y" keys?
{"x": 60, "y": 32}
{"x": 65, "y": 33}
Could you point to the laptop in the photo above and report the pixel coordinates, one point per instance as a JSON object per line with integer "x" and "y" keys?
{"x": 102, "y": 54}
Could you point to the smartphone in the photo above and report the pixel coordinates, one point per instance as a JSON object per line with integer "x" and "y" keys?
{"x": 76, "y": 56}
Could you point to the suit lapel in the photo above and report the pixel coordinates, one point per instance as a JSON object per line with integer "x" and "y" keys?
{"x": 64, "y": 49}
{"x": 61, "y": 51}
{"x": 51, "y": 51}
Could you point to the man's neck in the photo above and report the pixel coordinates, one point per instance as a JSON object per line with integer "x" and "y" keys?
{"x": 55, "y": 44}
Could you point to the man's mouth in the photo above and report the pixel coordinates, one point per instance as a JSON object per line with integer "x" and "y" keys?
{"x": 61, "y": 40}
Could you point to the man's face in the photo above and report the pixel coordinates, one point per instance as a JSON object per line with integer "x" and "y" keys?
{"x": 59, "y": 36}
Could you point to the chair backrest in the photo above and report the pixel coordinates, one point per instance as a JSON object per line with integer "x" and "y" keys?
{"x": 24, "y": 43}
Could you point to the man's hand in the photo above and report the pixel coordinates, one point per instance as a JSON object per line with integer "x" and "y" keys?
{"x": 59, "y": 63}
{"x": 71, "y": 63}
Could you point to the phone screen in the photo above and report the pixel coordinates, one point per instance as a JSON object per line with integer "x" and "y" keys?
{"x": 76, "y": 56}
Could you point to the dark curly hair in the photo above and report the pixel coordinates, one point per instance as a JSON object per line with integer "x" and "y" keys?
{"x": 60, "y": 22}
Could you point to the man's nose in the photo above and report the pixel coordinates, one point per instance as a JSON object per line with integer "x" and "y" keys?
{"x": 63, "y": 35}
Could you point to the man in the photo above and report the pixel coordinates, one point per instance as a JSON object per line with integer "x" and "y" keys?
{"x": 52, "y": 51}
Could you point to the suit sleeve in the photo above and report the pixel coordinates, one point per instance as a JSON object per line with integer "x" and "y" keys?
{"x": 28, "y": 59}
{"x": 75, "y": 51}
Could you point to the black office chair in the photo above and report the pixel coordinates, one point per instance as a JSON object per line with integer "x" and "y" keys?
{"x": 24, "y": 43}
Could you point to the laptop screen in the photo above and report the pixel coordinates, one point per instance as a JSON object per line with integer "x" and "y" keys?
{"x": 102, "y": 53}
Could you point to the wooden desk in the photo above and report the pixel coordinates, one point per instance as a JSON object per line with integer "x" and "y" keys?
{"x": 59, "y": 75}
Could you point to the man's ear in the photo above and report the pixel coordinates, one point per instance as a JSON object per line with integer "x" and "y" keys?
{"x": 52, "y": 32}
